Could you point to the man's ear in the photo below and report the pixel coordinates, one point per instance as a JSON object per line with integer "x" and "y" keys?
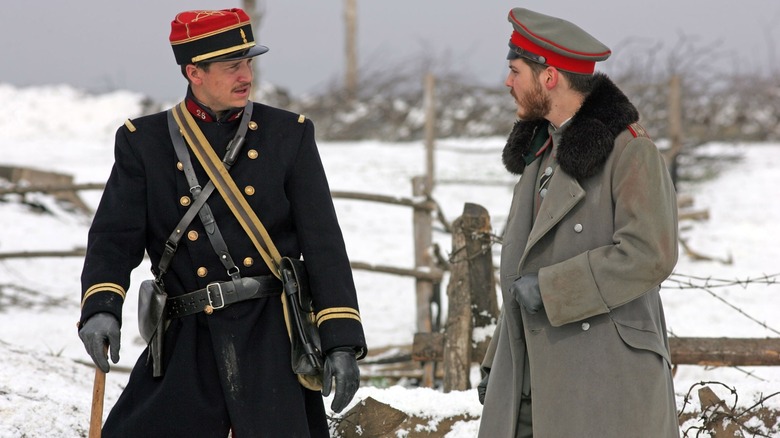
{"x": 550, "y": 77}
{"x": 194, "y": 74}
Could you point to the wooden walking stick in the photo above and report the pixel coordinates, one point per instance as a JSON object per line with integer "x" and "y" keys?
{"x": 98, "y": 393}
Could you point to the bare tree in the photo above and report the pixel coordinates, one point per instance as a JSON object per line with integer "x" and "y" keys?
{"x": 350, "y": 36}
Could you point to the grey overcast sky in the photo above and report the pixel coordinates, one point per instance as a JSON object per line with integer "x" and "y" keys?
{"x": 104, "y": 45}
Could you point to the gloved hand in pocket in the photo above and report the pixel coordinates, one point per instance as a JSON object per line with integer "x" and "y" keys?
{"x": 526, "y": 291}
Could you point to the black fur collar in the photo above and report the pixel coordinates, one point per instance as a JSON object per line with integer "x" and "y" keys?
{"x": 588, "y": 139}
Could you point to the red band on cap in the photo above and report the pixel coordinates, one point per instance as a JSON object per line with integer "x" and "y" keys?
{"x": 553, "y": 59}
{"x": 193, "y": 25}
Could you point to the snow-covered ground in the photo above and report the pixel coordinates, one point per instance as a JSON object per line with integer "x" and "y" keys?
{"x": 45, "y": 391}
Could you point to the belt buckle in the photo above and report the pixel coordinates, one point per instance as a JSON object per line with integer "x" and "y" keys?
{"x": 219, "y": 291}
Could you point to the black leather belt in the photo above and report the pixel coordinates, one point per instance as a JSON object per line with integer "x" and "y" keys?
{"x": 222, "y": 294}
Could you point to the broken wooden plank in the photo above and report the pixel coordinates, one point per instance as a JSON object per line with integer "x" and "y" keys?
{"x": 685, "y": 351}
{"x": 725, "y": 351}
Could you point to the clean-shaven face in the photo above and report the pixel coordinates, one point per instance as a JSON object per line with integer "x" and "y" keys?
{"x": 225, "y": 85}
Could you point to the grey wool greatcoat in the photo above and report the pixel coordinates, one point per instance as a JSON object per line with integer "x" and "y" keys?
{"x": 604, "y": 239}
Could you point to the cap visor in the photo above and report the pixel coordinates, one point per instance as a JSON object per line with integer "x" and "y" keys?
{"x": 243, "y": 54}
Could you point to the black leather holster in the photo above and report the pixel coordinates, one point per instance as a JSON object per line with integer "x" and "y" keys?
{"x": 151, "y": 324}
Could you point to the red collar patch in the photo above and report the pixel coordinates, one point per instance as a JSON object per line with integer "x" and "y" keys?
{"x": 202, "y": 112}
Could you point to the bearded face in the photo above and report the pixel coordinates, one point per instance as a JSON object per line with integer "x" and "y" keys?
{"x": 533, "y": 103}
{"x": 531, "y": 99}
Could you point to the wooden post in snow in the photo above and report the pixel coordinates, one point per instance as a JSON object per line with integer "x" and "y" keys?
{"x": 350, "y": 49}
{"x": 423, "y": 243}
{"x": 471, "y": 291}
{"x": 457, "y": 330}
{"x": 256, "y": 13}
{"x": 429, "y": 104}
{"x": 675, "y": 126}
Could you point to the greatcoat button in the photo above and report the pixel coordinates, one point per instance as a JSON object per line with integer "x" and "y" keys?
{"x": 252, "y": 154}
{"x": 185, "y": 201}
{"x": 249, "y": 190}
{"x": 585, "y": 326}
{"x": 202, "y": 272}
{"x": 249, "y": 262}
{"x": 192, "y": 235}
{"x": 578, "y": 228}
{"x": 252, "y": 125}
{"x": 179, "y": 165}
{"x": 543, "y": 193}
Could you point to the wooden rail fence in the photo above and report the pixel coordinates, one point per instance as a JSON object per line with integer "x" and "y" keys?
{"x": 471, "y": 290}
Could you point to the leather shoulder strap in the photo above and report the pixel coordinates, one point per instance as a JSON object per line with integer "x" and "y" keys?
{"x": 218, "y": 174}
{"x": 200, "y": 195}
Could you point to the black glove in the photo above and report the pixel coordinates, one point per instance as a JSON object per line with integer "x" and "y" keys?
{"x": 341, "y": 364}
{"x": 482, "y": 388}
{"x": 526, "y": 291}
{"x": 99, "y": 332}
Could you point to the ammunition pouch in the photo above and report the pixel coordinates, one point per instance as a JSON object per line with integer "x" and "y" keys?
{"x": 307, "y": 357}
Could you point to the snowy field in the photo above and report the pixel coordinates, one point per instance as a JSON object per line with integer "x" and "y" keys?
{"x": 45, "y": 390}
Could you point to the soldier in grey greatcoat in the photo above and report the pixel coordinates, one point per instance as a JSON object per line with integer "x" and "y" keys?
{"x": 580, "y": 349}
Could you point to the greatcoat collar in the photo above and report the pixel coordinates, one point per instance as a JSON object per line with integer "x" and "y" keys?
{"x": 589, "y": 136}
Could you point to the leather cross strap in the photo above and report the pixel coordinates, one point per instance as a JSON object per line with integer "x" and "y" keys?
{"x": 206, "y": 217}
{"x": 200, "y": 195}
{"x": 233, "y": 197}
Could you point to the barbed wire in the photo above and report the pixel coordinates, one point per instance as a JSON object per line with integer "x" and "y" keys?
{"x": 749, "y": 373}
{"x": 491, "y": 239}
{"x": 694, "y": 282}
{"x": 719, "y": 414}
{"x": 706, "y": 284}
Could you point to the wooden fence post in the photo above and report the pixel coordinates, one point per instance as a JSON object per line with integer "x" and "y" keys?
{"x": 457, "y": 330}
{"x": 675, "y": 126}
{"x": 423, "y": 242}
{"x": 484, "y": 300}
{"x": 470, "y": 293}
{"x": 429, "y": 105}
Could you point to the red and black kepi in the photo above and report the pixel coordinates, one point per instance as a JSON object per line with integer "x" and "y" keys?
{"x": 217, "y": 35}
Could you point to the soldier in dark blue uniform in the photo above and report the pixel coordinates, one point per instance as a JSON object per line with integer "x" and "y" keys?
{"x": 226, "y": 369}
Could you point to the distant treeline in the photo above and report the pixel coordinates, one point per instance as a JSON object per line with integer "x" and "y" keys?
{"x": 723, "y": 108}
{"x": 717, "y": 105}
